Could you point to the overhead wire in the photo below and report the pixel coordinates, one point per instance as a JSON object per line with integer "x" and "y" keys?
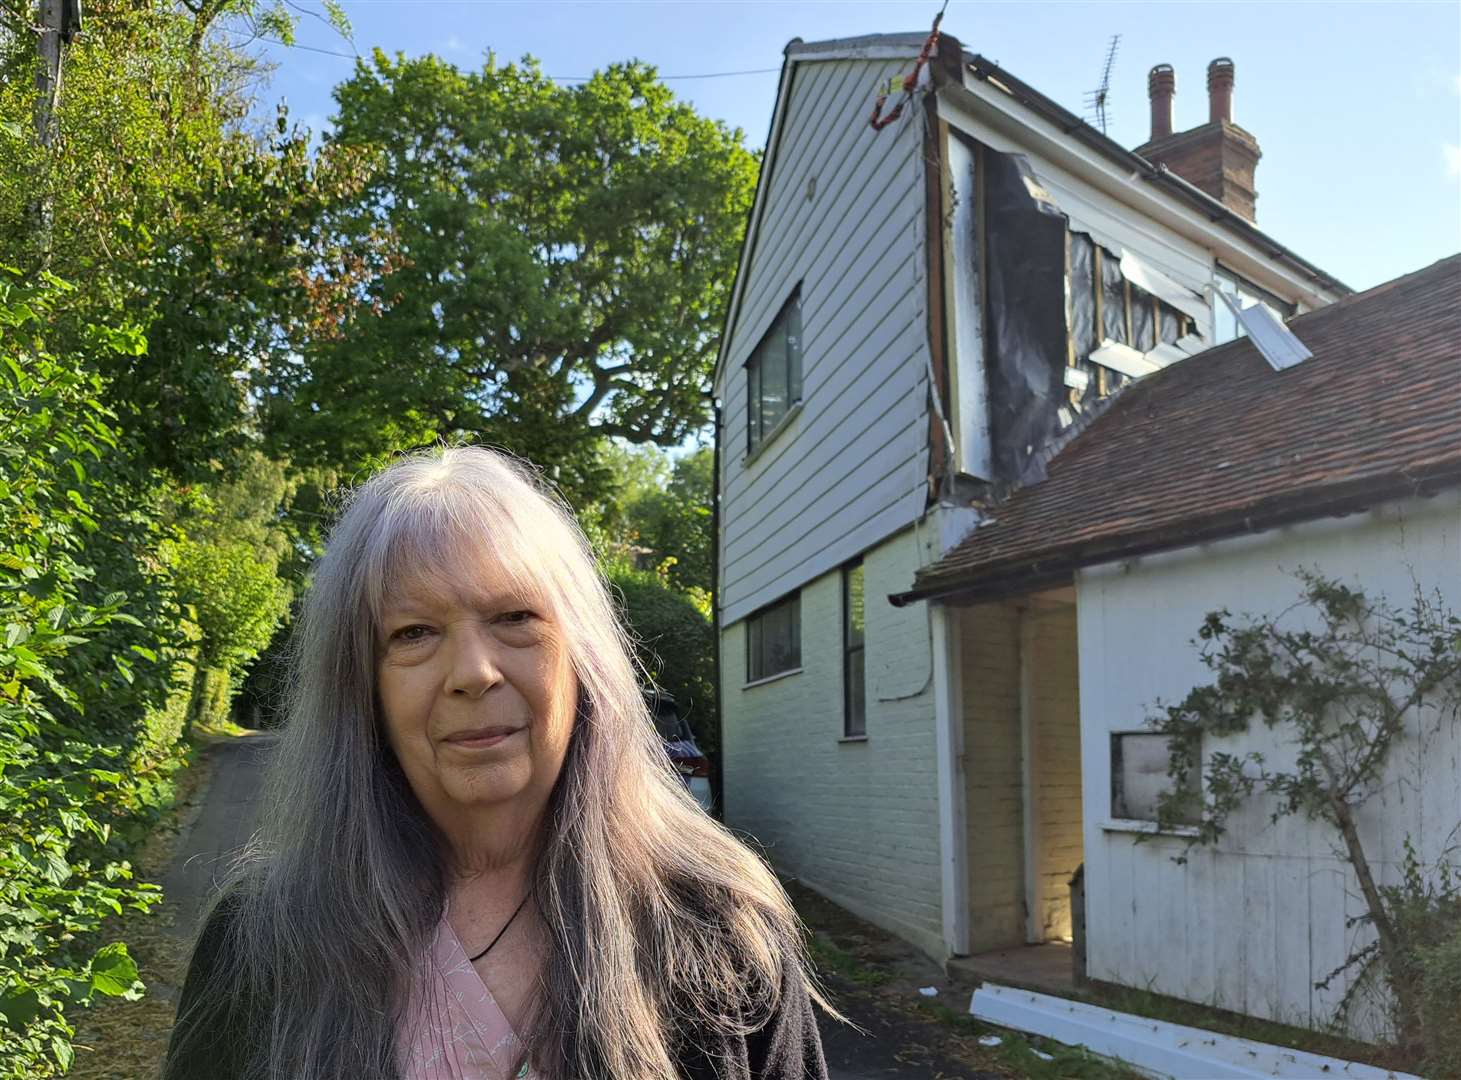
{"x": 555, "y": 78}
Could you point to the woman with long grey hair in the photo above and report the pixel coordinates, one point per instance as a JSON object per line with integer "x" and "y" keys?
{"x": 474, "y": 860}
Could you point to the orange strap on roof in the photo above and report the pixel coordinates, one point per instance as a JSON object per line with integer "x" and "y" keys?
{"x": 879, "y": 121}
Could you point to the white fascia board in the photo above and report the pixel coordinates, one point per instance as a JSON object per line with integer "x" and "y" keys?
{"x": 1156, "y": 1047}
{"x": 758, "y": 207}
{"x": 857, "y": 52}
{"x": 1123, "y": 358}
{"x": 997, "y": 120}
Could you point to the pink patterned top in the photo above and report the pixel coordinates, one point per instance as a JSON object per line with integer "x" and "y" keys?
{"x": 454, "y": 1028}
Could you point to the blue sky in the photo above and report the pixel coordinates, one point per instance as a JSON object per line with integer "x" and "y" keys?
{"x": 1357, "y": 106}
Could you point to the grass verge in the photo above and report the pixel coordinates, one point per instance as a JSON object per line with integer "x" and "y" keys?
{"x": 126, "y": 1040}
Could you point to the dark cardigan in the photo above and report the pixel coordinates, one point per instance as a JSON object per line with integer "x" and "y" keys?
{"x": 787, "y": 1048}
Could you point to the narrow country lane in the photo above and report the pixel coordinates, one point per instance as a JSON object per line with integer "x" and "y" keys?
{"x": 222, "y": 826}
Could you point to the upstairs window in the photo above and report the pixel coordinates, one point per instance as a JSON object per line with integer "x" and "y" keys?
{"x": 854, "y": 689}
{"x": 774, "y": 639}
{"x": 1225, "y": 324}
{"x": 774, "y": 373}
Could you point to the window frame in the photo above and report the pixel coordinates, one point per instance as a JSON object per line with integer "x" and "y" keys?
{"x": 1242, "y": 289}
{"x": 756, "y": 651}
{"x": 789, "y": 322}
{"x": 1119, "y": 810}
{"x": 851, "y": 649}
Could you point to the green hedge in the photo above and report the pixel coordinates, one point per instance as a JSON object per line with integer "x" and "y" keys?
{"x": 71, "y": 646}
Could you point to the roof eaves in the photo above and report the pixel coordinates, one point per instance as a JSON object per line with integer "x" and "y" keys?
{"x": 1023, "y": 573}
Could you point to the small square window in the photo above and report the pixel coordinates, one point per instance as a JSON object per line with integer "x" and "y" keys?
{"x": 774, "y": 639}
{"x": 1139, "y": 776}
{"x": 774, "y": 373}
{"x": 854, "y": 689}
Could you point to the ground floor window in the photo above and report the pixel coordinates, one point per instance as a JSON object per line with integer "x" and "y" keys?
{"x": 1139, "y": 775}
{"x": 854, "y": 691}
{"x": 774, "y": 639}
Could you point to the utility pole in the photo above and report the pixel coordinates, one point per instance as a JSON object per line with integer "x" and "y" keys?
{"x": 59, "y": 21}
{"x": 48, "y": 76}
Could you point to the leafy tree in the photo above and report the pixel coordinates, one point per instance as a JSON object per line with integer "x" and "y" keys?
{"x": 661, "y": 504}
{"x": 212, "y": 240}
{"x": 1342, "y": 687}
{"x": 567, "y": 255}
{"x": 675, "y": 645}
{"x": 677, "y": 522}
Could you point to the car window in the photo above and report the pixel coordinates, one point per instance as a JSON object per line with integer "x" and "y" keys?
{"x": 667, "y": 721}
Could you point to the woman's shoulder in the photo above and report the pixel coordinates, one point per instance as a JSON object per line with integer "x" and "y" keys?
{"x": 215, "y": 1015}
{"x": 783, "y": 1042}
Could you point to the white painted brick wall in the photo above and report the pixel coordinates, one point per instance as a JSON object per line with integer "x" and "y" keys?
{"x": 857, "y": 821}
{"x": 1056, "y": 761}
{"x": 989, "y": 646}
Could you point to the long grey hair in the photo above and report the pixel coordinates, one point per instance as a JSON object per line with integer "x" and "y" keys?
{"x": 660, "y": 921}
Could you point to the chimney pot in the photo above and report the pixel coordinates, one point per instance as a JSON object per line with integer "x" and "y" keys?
{"x": 1220, "y": 90}
{"x": 1161, "y": 87}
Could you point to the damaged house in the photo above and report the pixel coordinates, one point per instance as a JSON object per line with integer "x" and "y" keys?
{"x": 1331, "y": 446}
{"x": 923, "y": 317}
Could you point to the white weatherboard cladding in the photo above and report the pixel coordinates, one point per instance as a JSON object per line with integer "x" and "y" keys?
{"x": 848, "y": 470}
{"x": 1253, "y": 924}
{"x": 856, "y": 820}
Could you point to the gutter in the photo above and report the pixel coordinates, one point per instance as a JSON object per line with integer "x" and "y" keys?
{"x": 1072, "y": 125}
{"x": 1015, "y": 576}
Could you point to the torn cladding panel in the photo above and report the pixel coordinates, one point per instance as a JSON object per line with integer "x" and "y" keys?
{"x": 1070, "y": 320}
{"x": 1025, "y": 237}
{"x": 1272, "y": 338}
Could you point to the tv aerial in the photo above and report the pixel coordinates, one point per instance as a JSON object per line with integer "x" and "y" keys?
{"x": 1096, "y": 99}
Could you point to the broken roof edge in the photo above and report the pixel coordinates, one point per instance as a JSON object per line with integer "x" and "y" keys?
{"x": 1071, "y": 125}
{"x": 1018, "y": 575}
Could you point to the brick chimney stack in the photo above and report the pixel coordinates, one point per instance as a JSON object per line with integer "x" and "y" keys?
{"x": 1220, "y": 90}
{"x": 1161, "y": 87}
{"x": 1219, "y": 157}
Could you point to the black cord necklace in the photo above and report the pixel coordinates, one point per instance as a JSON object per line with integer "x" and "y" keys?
{"x": 505, "y": 925}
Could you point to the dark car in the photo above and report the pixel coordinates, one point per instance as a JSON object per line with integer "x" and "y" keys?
{"x": 689, "y": 761}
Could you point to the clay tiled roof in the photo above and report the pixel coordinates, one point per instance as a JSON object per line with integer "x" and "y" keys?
{"x": 1221, "y": 444}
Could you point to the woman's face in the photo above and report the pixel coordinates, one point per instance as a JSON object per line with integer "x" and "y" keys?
{"x": 477, "y": 689}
